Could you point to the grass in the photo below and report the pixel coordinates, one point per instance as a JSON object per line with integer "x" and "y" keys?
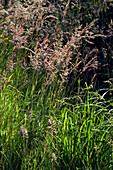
{"x": 41, "y": 128}
{"x": 59, "y": 132}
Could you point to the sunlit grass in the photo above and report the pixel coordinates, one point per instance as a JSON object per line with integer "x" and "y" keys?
{"x": 40, "y": 127}
{"x": 57, "y": 132}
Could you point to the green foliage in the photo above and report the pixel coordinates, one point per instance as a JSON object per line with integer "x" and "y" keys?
{"x": 41, "y": 128}
{"x": 54, "y": 112}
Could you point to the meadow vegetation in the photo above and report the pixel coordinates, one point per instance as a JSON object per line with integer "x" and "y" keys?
{"x": 56, "y": 85}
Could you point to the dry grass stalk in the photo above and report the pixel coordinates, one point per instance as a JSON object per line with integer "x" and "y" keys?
{"x": 23, "y": 132}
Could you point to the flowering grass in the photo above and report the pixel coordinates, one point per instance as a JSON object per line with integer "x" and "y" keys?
{"x": 53, "y": 112}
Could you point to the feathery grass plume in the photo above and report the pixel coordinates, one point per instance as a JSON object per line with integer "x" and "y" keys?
{"x": 33, "y": 19}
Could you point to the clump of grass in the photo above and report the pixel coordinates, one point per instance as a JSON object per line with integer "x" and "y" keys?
{"x": 40, "y": 128}
{"x": 57, "y": 50}
{"x": 86, "y": 131}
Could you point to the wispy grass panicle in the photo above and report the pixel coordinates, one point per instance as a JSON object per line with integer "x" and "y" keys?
{"x": 56, "y": 104}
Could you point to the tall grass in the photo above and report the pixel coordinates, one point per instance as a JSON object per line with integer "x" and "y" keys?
{"x": 42, "y": 129}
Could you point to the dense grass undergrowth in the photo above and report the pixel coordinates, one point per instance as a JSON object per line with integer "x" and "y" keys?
{"x": 42, "y": 129}
{"x": 55, "y": 112}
